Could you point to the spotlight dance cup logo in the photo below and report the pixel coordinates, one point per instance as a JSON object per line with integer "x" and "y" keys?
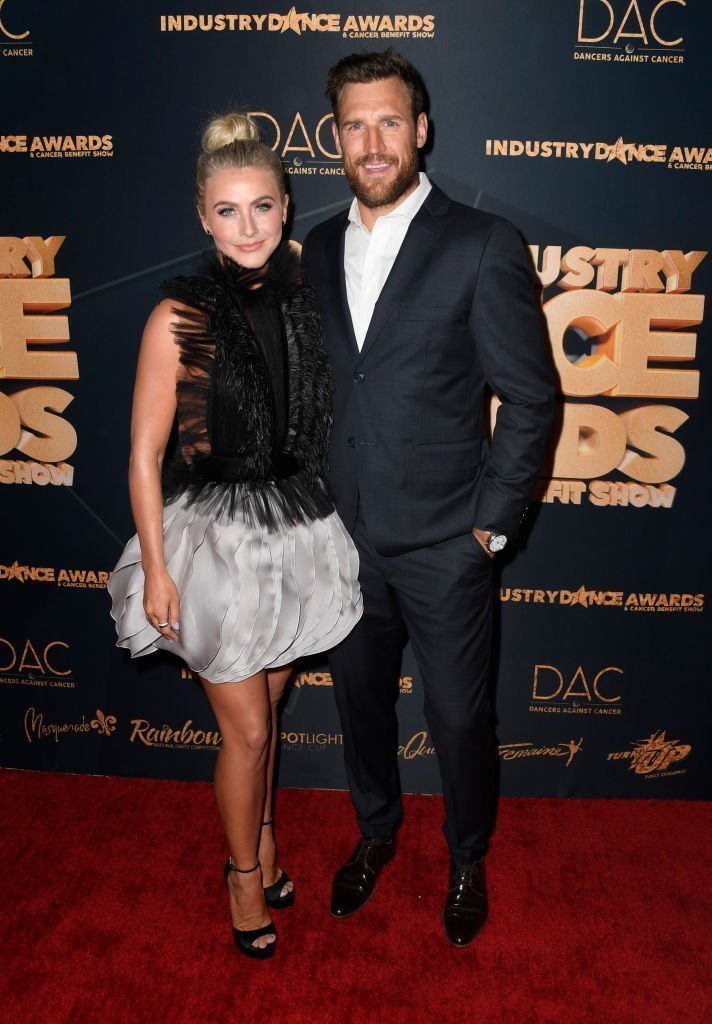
{"x": 31, "y": 336}
{"x": 619, "y": 326}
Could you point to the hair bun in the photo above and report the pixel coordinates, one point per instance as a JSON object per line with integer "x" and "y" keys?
{"x": 221, "y": 131}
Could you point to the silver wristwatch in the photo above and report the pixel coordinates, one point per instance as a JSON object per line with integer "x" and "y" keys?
{"x": 496, "y": 541}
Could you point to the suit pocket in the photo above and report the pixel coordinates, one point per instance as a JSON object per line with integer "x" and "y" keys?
{"x": 457, "y": 458}
{"x": 407, "y": 311}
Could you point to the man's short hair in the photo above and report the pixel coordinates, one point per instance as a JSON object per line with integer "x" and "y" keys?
{"x": 358, "y": 68}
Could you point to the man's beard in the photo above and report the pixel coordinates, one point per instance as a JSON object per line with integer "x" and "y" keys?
{"x": 382, "y": 193}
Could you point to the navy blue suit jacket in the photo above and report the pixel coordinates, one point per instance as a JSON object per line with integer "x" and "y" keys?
{"x": 459, "y": 311}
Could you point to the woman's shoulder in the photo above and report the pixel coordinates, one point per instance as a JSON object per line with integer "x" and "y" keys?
{"x": 189, "y": 292}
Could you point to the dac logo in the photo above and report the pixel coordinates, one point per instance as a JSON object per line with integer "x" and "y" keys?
{"x": 310, "y": 150}
{"x": 16, "y": 37}
{"x": 554, "y": 692}
{"x": 653, "y": 756}
{"x": 30, "y": 659}
{"x": 612, "y": 31}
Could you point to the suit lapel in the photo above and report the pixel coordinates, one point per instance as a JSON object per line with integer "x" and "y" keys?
{"x": 414, "y": 254}
{"x": 337, "y": 285}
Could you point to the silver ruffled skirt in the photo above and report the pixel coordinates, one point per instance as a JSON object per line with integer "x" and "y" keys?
{"x": 250, "y": 599}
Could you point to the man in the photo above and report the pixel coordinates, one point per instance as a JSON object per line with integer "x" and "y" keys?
{"x": 424, "y": 302}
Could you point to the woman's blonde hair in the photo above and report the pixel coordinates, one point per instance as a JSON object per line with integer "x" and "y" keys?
{"x": 233, "y": 140}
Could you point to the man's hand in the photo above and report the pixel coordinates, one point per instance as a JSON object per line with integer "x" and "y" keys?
{"x": 483, "y": 536}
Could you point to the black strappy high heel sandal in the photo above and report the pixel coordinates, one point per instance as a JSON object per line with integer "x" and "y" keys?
{"x": 273, "y": 893}
{"x": 244, "y": 939}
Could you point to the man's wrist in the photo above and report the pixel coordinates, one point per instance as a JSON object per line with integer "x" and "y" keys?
{"x": 490, "y": 538}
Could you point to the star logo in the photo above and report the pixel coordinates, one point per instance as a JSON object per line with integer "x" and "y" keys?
{"x": 16, "y": 572}
{"x": 582, "y": 597}
{"x": 292, "y": 21}
{"x": 620, "y": 150}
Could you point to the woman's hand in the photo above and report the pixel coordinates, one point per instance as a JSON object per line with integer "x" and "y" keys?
{"x": 162, "y": 604}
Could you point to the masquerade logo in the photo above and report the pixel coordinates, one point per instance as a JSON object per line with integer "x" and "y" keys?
{"x": 38, "y": 728}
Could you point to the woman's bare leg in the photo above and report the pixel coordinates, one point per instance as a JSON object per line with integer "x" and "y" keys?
{"x": 277, "y": 680}
{"x": 244, "y": 715}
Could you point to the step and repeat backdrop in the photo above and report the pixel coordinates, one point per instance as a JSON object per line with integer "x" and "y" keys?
{"x": 585, "y": 123}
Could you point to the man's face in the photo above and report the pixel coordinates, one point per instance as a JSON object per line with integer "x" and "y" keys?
{"x": 379, "y": 141}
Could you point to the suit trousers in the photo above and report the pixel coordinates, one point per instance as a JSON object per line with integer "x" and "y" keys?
{"x": 440, "y": 597}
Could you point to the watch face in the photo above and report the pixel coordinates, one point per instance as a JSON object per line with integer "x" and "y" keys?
{"x": 497, "y": 542}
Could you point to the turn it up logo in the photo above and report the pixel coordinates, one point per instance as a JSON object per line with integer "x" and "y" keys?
{"x": 654, "y": 757}
{"x": 33, "y": 430}
{"x": 14, "y": 40}
{"x": 631, "y": 31}
{"x": 621, "y": 324}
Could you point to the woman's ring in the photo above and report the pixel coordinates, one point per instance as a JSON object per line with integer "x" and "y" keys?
{"x": 161, "y": 624}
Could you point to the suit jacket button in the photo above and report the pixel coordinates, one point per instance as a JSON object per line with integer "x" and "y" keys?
{"x": 351, "y": 442}
{"x": 359, "y": 378}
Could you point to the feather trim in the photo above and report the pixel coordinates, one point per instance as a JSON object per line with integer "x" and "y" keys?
{"x": 225, "y": 398}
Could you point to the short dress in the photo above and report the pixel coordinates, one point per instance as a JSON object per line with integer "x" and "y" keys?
{"x": 265, "y": 569}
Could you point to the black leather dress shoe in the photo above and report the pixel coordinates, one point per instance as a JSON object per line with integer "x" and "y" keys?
{"x": 466, "y": 903}
{"x": 355, "y": 881}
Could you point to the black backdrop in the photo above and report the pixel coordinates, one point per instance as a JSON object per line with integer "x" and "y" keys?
{"x": 581, "y": 120}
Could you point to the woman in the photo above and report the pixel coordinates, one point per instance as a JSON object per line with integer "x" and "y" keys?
{"x": 247, "y": 567}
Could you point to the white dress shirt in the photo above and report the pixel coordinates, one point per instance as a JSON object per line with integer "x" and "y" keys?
{"x": 369, "y": 255}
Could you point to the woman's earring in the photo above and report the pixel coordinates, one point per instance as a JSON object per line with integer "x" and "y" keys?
{"x": 208, "y": 232}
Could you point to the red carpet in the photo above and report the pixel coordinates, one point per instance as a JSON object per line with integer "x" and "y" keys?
{"x": 113, "y": 910}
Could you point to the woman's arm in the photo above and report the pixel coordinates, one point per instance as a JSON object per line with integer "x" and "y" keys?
{"x": 154, "y": 407}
